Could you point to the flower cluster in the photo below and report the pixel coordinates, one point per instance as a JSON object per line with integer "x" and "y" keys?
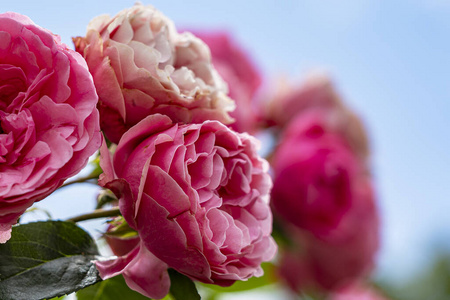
{"x": 194, "y": 194}
{"x": 195, "y": 191}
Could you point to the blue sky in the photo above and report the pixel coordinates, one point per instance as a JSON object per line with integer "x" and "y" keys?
{"x": 390, "y": 61}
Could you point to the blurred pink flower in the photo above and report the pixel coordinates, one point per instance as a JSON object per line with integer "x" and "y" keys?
{"x": 317, "y": 91}
{"x": 324, "y": 197}
{"x": 239, "y": 71}
{"x": 315, "y": 173}
{"x": 357, "y": 292}
{"x": 49, "y": 124}
{"x": 197, "y": 195}
{"x": 340, "y": 258}
{"x": 142, "y": 66}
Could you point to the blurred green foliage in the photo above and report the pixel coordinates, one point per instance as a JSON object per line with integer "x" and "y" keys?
{"x": 431, "y": 284}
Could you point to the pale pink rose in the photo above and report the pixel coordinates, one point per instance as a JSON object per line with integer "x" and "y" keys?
{"x": 239, "y": 71}
{"x": 197, "y": 195}
{"x": 142, "y": 66}
{"x": 49, "y": 124}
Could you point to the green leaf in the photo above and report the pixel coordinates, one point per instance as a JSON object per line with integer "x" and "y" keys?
{"x": 253, "y": 283}
{"x": 181, "y": 287}
{"x": 46, "y": 259}
{"x": 110, "y": 289}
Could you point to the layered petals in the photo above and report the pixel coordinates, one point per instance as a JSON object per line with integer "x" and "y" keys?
{"x": 197, "y": 195}
{"x": 142, "y": 271}
{"x": 241, "y": 74}
{"x": 48, "y": 117}
{"x": 142, "y": 66}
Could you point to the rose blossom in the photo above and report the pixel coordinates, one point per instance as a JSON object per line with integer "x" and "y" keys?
{"x": 48, "y": 120}
{"x": 325, "y": 200}
{"x": 239, "y": 71}
{"x": 316, "y": 172}
{"x": 342, "y": 257}
{"x": 142, "y": 66}
{"x": 197, "y": 195}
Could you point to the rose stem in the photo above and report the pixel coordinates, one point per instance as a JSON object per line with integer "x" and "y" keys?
{"x": 96, "y": 214}
{"x": 81, "y": 180}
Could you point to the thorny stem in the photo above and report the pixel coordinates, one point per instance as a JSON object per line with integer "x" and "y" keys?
{"x": 96, "y": 214}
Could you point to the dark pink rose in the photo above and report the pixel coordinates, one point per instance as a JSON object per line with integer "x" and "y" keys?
{"x": 343, "y": 257}
{"x": 49, "y": 124}
{"x": 197, "y": 195}
{"x": 142, "y": 66}
{"x": 324, "y": 198}
{"x": 239, "y": 71}
{"x": 316, "y": 173}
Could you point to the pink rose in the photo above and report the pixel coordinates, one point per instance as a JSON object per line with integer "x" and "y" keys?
{"x": 197, "y": 195}
{"x": 239, "y": 71}
{"x": 325, "y": 200}
{"x": 48, "y": 117}
{"x": 343, "y": 257}
{"x": 142, "y": 66}
{"x": 316, "y": 173}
